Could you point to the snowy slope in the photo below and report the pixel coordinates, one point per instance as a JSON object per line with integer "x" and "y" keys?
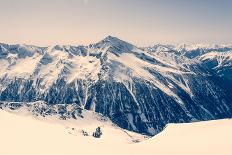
{"x": 210, "y": 137}
{"x": 26, "y": 135}
{"x": 48, "y": 64}
{"x": 219, "y": 62}
{"x": 221, "y": 58}
{"x": 74, "y": 120}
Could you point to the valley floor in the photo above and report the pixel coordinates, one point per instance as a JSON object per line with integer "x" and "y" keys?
{"x": 24, "y": 135}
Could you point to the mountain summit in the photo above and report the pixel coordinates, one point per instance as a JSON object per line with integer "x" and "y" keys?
{"x": 115, "y": 44}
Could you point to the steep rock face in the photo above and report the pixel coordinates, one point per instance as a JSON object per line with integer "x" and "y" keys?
{"x": 138, "y": 89}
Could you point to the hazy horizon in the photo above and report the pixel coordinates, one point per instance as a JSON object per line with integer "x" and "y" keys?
{"x": 143, "y": 23}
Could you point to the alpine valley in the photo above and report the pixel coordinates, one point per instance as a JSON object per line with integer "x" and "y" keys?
{"x": 137, "y": 89}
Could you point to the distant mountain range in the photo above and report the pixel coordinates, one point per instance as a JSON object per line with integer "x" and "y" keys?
{"x": 139, "y": 89}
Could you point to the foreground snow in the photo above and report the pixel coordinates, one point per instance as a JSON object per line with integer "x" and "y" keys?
{"x": 24, "y": 135}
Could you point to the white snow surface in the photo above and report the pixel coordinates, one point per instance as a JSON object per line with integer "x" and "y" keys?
{"x": 24, "y": 135}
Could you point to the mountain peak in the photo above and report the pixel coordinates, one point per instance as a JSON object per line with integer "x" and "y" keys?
{"x": 111, "y": 38}
{"x": 111, "y": 41}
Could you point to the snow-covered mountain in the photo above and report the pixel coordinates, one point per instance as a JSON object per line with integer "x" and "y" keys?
{"x": 139, "y": 89}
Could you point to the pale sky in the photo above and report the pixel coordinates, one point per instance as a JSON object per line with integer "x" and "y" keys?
{"x": 142, "y": 22}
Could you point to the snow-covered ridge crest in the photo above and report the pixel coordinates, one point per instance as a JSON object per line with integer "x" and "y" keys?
{"x": 188, "y": 47}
